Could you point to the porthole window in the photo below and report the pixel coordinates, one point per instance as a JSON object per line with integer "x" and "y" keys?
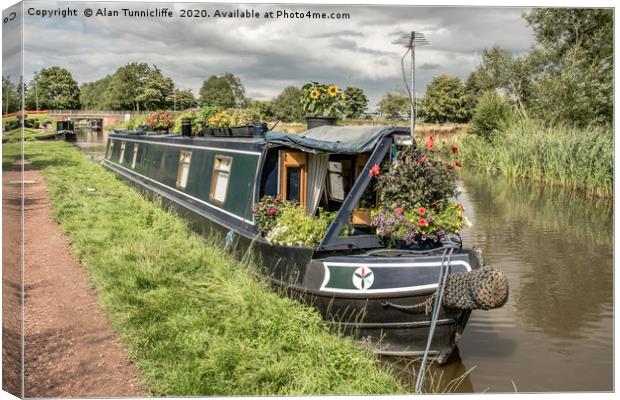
{"x": 135, "y": 156}
{"x": 219, "y": 178}
{"x": 185, "y": 159}
{"x": 121, "y": 157}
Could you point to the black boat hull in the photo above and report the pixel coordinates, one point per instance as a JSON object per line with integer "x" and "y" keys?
{"x": 397, "y": 323}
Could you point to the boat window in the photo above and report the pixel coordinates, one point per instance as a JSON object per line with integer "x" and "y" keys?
{"x": 338, "y": 179}
{"x": 135, "y": 156}
{"x": 110, "y": 149}
{"x": 293, "y": 184}
{"x": 183, "y": 173}
{"x": 122, "y": 155}
{"x": 219, "y": 178}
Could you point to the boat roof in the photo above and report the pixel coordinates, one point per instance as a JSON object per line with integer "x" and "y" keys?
{"x": 328, "y": 139}
{"x": 336, "y": 139}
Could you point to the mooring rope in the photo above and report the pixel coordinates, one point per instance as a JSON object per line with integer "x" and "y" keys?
{"x": 444, "y": 271}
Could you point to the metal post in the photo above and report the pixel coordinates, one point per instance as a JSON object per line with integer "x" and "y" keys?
{"x": 413, "y": 113}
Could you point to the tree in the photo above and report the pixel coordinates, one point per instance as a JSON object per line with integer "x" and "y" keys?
{"x": 182, "y": 100}
{"x": 576, "y": 46}
{"x": 263, "y": 108}
{"x": 491, "y": 116}
{"x": 356, "y": 102}
{"x": 445, "y": 100}
{"x": 224, "y": 91}
{"x": 92, "y": 93}
{"x": 514, "y": 75}
{"x": 287, "y": 106}
{"x": 53, "y": 88}
{"x": 134, "y": 86}
{"x": 10, "y": 96}
{"x": 394, "y": 105}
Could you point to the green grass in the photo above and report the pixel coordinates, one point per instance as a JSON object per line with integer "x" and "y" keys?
{"x": 15, "y": 135}
{"x": 575, "y": 158}
{"x": 194, "y": 320}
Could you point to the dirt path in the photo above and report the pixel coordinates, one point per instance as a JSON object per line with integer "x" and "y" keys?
{"x": 70, "y": 349}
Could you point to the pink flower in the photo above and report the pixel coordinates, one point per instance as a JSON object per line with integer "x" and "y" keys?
{"x": 458, "y": 163}
{"x": 422, "y": 222}
{"x": 430, "y": 143}
{"x": 271, "y": 211}
{"x": 399, "y": 211}
{"x": 421, "y": 211}
{"x": 450, "y": 166}
{"x": 374, "y": 171}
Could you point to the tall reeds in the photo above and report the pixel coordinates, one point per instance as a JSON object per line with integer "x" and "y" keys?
{"x": 576, "y": 158}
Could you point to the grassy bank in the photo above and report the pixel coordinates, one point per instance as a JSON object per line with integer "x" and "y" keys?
{"x": 195, "y": 321}
{"x": 574, "y": 158}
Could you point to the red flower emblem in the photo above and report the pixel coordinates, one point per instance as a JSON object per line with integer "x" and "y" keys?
{"x": 454, "y": 149}
{"x": 422, "y": 222}
{"x": 399, "y": 211}
{"x": 421, "y": 211}
{"x": 374, "y": 171}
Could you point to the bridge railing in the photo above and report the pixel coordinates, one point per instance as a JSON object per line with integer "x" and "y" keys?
{"x": 95, "y": 112}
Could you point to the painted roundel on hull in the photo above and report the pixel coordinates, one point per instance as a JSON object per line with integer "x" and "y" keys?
{"x": 363, "y": 278}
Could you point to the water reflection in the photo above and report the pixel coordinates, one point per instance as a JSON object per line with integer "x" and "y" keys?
{"x": 555, "y": 333}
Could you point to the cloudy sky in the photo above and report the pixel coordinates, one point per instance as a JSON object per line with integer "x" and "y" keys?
{"x": 269, "y": 54}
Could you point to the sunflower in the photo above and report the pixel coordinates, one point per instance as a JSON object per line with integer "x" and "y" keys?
{"x": 314, "y": 94}
{"x": 332, "y": 90}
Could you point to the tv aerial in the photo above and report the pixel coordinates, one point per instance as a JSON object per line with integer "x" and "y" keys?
{"x": 410, "y": 41}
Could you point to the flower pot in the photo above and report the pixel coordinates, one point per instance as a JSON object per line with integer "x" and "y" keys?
{"x": 206, "y": 131}
{"x": 242, "y": 131}
{"x": 221, "y": 132}
{"x": 315, "y": 122}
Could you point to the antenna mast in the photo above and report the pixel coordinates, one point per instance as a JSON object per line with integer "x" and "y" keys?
{"x": 410, "y": 41}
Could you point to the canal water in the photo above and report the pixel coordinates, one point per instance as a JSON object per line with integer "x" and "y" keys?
{"x": 556, "y": 331}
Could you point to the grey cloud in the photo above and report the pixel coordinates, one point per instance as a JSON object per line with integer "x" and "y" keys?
{"x": 429, "y": 66}
{"x": 337, "y": 34}
{"x": 269, "y": 55}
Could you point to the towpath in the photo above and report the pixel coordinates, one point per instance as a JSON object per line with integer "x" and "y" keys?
{"x": 70, "y": 349}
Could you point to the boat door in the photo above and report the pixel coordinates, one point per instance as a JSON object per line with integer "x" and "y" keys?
{"x": 294, "y": 176}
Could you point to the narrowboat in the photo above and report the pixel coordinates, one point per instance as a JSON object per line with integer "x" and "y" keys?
{"x": 361, "y": 287}
{"x": 65, "y": 130}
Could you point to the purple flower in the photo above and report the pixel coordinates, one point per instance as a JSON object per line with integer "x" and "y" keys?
{"x": 424, "y": 237}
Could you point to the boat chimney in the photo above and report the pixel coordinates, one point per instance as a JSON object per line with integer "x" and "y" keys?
{"x": 186, "y": 127}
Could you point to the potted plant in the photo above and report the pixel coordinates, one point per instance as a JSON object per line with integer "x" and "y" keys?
{"x": 220, "y": 123}
{"x": 204, "y": 114}
{"x": 159, "y": 121}
{"x": 322, "y": 103}
{"x": 415, "y": 195}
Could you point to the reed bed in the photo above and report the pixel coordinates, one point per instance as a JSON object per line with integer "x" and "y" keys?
{"x": 575, "y": 158}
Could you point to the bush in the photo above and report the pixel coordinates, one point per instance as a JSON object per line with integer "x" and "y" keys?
{"x": 417, "y": 181}
{"x": 295, "y": 228}
{"x": 492, "y": 115}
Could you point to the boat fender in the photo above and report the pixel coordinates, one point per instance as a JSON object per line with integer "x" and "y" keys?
{"x": 482, "y": 289}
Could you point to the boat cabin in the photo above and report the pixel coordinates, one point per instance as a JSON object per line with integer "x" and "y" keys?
{"x": 223, "y": 177}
